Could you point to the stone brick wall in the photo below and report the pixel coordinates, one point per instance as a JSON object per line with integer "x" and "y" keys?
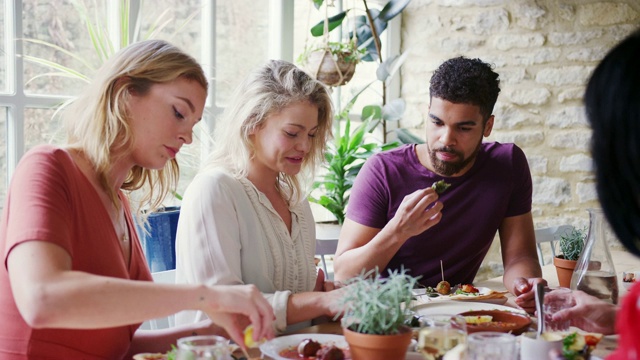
{"x": 544, "y": 51}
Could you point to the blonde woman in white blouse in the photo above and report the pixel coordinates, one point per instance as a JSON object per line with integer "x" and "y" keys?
{"x": 245, "y": 218}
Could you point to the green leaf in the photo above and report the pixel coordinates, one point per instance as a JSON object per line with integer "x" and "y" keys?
{"x": 392, "y": 9}
{"x": 393, "y": 110}
{"x": 371, "y": 112}
{"x": 407, "y": 137}
{"x": 317, "y": 3}
{"x": 334, "y": 22}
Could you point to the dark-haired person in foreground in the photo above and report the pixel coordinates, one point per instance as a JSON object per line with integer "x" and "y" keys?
{"x": 612, "y": 102}
{"x": 395, "y": 219}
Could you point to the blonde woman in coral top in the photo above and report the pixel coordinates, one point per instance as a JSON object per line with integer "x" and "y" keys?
{"x": 75, "y": 284}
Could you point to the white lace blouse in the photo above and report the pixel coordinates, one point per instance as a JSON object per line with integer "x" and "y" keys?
{"x": 229, "y": 233}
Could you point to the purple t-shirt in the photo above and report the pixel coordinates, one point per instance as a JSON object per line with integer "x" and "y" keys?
{"x": 497, "y": 186}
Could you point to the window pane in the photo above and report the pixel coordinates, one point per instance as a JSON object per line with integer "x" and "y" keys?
{"x": 40, "y": 127}
{"x": 176, "y": 22}
{"x": 3, "y": 54}
{"x": 3, "y": 154}
{"x": 242, "y": 39}
{"x": 59, "y": 23}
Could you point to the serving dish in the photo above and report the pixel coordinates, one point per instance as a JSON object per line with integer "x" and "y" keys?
{"x": 501, "y": 321}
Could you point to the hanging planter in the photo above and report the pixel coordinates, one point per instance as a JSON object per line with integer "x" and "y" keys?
{"x": 332, "y": 69}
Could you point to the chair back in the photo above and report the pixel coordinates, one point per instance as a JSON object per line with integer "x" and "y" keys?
{"x": 551, "y": 235}
{"x": 326, "y": 243}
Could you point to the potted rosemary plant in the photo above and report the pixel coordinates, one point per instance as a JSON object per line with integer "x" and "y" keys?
{"x": 374, "y": 315}
{"x": 571, "y": 245}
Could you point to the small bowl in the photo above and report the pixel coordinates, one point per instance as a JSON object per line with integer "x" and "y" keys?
{"x": 502, "y": 321}
{"x": 629, "y": 278}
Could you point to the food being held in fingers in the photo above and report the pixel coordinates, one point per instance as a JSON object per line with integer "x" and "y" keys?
{"x": 308, "y": 347}
{"x": 443, "y": 287}
{"x": 440, "y": 186}
{"x": 248, "y": 338}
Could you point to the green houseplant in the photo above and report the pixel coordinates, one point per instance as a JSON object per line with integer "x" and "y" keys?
{"x": 334, "y": 63}
{"x": 571, "y": 245}
{"x": 374, "y": 315}
{"x": 344, "y": 159}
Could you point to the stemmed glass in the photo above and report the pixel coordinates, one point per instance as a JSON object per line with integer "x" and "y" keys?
{"x": 440, "y": 333}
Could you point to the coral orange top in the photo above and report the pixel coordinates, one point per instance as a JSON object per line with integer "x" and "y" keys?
{"x": 51, "y": 200}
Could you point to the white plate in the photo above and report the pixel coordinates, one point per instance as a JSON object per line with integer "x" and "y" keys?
{"x": 457, "y": 307}
{"x": 273, "y": 347}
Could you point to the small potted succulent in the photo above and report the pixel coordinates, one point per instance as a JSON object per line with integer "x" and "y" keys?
{"x": 571, "y": 245}
{"x": 375, "y": 312}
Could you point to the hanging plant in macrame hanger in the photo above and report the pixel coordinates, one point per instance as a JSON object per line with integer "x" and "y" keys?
{"x": 335, "y": 63}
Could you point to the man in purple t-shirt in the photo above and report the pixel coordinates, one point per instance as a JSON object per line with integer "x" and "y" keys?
{"x": 395, "y": 219}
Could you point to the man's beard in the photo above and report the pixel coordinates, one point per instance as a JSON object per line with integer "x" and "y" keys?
{"x": 450, "y": 168}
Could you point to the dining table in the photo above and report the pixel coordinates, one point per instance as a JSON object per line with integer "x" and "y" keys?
{"x": 623, "y": 260}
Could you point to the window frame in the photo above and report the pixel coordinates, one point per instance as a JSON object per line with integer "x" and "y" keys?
{"x": 16, "y": 101}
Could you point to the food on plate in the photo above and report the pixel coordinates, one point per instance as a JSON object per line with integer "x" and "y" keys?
{"x": 323, "y": 351}
{"x": 478, "y": 319}
{"x": 578, "y": 346}
{"x": 473, "y": 293}
{"x": 629, "y": 277}
{"x": 440, "y": 186}
{"x": 443, "y": 287}
{"x": 330, "y": 353}
{"x": 499, "y": 320}
{"x": 467, "y": 289}
{"x": 308, "y": 347}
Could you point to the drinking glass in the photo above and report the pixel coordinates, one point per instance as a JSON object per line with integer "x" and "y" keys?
{"x": 491, "y": 345}
{"x": 440, "y": 333}
{"x": 204, "y": 347}
{"x": 555, "y": 300}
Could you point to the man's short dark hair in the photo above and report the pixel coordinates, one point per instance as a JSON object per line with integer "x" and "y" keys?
{"x": 466, "y": 81}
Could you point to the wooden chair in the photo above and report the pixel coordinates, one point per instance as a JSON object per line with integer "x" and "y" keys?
{"x": 165, "y": 277}
{"x": 550, "y": 235}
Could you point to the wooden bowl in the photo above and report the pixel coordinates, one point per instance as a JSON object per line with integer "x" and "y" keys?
{"x": 502, "y": 321}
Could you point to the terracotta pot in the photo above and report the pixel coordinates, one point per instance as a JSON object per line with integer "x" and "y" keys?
{"x": 329, "y": 69}
{"x": 564, "y": 269}
{"x": 378, "y": 347}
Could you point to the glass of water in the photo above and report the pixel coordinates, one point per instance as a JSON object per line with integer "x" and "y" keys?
{"x": 204, "y": 347}
{"x": 491, "y": 345}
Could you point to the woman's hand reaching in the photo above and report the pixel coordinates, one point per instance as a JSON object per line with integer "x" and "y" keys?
{"x": 234, "y": 307}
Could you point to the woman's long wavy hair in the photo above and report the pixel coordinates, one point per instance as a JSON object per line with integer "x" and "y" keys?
{"x": 98, "y": 122}
{"x": 612, "y": 101}
{"x": 268, "y": 90}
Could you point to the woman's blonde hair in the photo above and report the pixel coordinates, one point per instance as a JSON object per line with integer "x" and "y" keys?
{"x": 98, "y": 123}
{"x": 268, "y": 90}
